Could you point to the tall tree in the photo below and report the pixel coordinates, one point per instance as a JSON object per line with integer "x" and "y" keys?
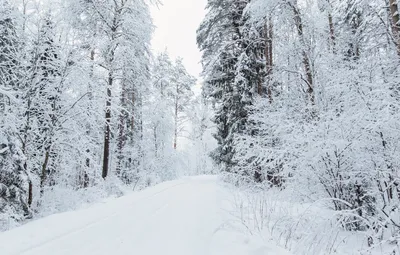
{"x": 116, "y": 23}
{"x": 395, "y": 22}
{"x": 228, "y": 75}
{"x": 135, "y": 56}
{"x": 44, "y": 98}
{"x": 14, "y": 203}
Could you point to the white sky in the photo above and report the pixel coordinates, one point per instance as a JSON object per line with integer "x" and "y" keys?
{"x": 176, "y": 23}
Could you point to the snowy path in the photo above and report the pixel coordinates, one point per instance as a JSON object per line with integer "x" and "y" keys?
{"x": 174, "y": 218}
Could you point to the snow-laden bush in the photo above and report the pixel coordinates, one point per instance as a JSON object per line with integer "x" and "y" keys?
{"x": 304, "y": 228}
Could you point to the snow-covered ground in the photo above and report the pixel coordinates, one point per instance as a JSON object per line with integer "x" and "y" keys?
{"x": 184, "y": 217}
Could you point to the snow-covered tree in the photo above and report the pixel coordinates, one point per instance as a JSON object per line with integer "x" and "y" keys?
{"x": 166, "y": 115}
{"x": 324, "y": 122}
{"x": 232, "y": 72}
{"x": 58, "y": 70}
{"x": 183, "y": 95}
{"x": 14, "y": 202}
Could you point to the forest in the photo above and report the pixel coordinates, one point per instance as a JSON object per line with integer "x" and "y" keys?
{"x": 299, "y": 102}
{"x": 306, "y": 99}
{"x": 83, "y": 100}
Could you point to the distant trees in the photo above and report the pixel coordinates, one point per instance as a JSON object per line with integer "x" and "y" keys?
{"x": 200, "y": 114}
{"x": 170, "y": 103}
{"x": 182, "y": 97}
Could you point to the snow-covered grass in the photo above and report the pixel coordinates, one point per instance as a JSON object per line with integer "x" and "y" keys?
{"x": 303, "y": 228}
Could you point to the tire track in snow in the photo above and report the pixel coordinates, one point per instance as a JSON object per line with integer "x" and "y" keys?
{"x": 98, "y": 221}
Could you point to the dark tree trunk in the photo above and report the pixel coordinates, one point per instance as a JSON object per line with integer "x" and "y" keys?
{"x": 332, "y": 32}
{"x": 30, "y": 193}
{"x": 43, "y": 176}
{"x": 106, "y": 154}
{"x": 269, "y": 56}
{"x": 395, "y": 20}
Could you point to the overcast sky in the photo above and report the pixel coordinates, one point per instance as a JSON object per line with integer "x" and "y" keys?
{"x": 176, "y": 23}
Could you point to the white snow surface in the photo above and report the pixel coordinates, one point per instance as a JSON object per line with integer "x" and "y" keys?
{"x": 184, "y": 217}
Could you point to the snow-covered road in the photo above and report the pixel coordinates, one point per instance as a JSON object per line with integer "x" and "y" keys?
{"x": 182, "y": 217}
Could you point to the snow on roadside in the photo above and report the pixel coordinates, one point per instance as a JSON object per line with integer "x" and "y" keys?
{"x": 302, "y": 228}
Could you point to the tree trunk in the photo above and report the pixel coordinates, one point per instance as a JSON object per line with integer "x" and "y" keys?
{"x": 176, "y": 118}
{"x": 269, "y": 56}
{"x": 110, "y": 62}
{"x": 395, "y": 20}
{"x": 90, "y": 88}
{"x": 43, "y": 176}
{"x": 306, "y": 59}
{"x": 133, "y": 114}
{"x": 85, "y": 176}
{"x": 139, "y": 128}
{"x": 155, "y": 142}
{"x": 332, "y": 37}
{"x": 332, "y": 32}
{"x": 121, "y": 130}
{"x": 24, "y": 150}
{"x": 24, "y": 143}
{"x": 106, "y": 154}
{"x": 30, "y": 193}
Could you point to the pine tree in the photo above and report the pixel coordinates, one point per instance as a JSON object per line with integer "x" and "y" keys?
{"x": 229, "y": 77}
